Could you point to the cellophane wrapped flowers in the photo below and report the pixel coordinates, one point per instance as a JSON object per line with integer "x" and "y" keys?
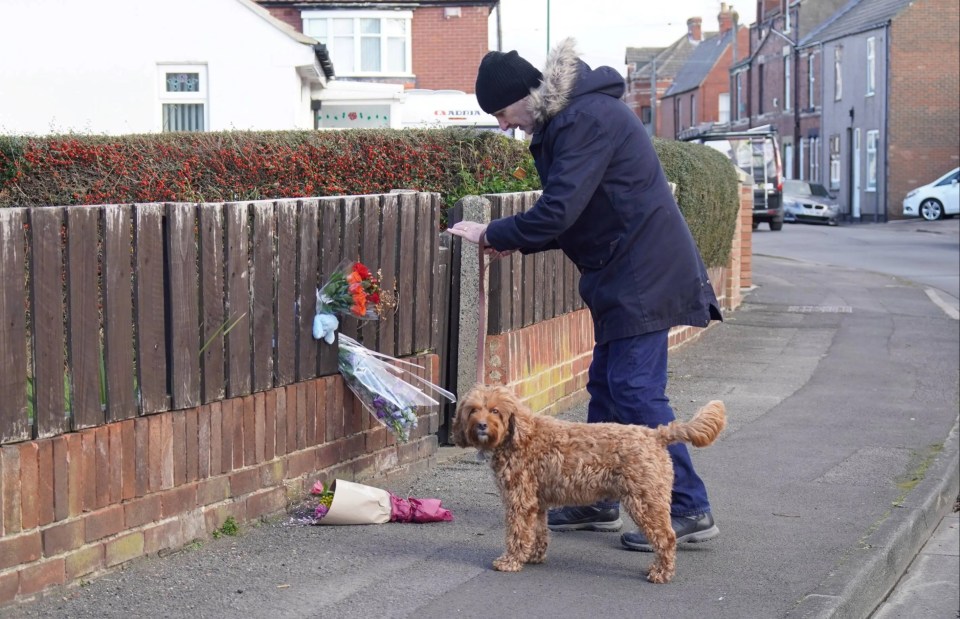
{"x": 385, "y": 388}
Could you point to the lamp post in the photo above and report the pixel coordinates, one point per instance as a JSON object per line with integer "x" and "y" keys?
{"x": 548, "y": 27}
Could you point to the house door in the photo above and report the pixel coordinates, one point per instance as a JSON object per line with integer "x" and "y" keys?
{"x": 855, "y": 175}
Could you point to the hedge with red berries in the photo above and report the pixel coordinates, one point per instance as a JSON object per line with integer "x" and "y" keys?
{"x": 231, "y": 166}
{"x": 218, "y": 167}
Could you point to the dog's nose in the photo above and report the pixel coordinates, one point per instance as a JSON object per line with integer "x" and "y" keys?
{"x": 481, "y": 427}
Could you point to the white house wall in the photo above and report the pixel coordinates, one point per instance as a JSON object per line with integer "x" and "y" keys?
{"x": 91, "y": 66}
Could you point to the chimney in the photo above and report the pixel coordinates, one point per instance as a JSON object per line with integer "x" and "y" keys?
{"x": 693, "y": 29}
{"x": 725, "y": 18}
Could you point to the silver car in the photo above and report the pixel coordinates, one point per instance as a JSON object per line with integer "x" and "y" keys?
{"x": 809, "y": 202}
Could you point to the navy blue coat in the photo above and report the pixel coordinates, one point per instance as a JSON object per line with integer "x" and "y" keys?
{"x": 607, "y": 205}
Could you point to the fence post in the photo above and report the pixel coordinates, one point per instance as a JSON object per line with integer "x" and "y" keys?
{"x": 468, "y": 208}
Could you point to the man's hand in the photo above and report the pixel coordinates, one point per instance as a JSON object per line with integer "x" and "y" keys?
{"x": 474, "y": 232}
{"x": 469, "y": 230}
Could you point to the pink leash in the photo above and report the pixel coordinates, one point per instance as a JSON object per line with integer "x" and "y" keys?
{"x": 481, "y": 317}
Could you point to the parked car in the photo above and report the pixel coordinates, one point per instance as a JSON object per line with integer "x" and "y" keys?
{"x": 935, "y": 200}
{"x": 756, "y": 152}
{"x": 809, "y": 202}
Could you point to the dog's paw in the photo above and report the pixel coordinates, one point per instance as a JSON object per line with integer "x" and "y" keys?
{"x": 658, "y": 575}
{"x": 507, "y": 564}
{"x": 537, "y": 558}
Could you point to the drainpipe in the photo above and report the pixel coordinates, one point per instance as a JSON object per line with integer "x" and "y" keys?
{"x": 886, "y": 128}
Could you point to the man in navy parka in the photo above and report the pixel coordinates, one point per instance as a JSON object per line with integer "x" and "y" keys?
{"x": 607, "y": 205}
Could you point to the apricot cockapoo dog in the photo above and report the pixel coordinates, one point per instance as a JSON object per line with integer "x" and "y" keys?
{"x": 541, "y": 462}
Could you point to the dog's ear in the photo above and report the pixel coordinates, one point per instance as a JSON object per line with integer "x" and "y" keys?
{"x": 458, "y": 430}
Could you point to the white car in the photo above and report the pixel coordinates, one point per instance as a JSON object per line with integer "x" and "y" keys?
{"x": 936, "y": 200}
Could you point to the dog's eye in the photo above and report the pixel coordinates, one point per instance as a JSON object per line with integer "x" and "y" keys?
{"x": 495, "y": 411}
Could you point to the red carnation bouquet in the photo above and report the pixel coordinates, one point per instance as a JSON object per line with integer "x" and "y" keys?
{"x": 352, "y": 290}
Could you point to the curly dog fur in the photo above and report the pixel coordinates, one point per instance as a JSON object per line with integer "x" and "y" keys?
{"x": 541, "y": 462}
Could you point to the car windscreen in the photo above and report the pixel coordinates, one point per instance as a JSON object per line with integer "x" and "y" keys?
{"x": 753, "y": 155}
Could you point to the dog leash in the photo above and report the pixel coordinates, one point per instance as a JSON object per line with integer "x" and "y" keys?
{"x": 481, "y": 315}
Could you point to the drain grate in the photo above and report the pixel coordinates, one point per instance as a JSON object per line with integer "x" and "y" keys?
{"x": 820, "y": 309}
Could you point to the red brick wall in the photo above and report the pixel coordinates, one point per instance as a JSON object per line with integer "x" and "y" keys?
{"x": 82, "y": 503}
{"x": 924, "y": 122}
{"x": 288, "y": 15}
{"x": 447, "y": 51}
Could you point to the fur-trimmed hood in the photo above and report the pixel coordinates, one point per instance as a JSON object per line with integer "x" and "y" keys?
{"x": 565, "y": 76}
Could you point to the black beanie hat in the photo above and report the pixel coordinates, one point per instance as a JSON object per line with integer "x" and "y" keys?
{"x": 504, "y": 79}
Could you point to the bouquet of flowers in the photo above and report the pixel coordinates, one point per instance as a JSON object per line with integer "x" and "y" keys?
{"x": 344, "y": 502}
{"x": 385, "y": 388}
{"x": 351, "y": 290}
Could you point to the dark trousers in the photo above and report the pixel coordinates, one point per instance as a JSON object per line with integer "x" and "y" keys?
{"x": 627, "y": 384}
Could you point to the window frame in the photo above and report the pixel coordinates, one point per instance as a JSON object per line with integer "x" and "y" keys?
{"x": 872, "y": 146}
{"x": 199, "y": 97}
{"x": 787, "y": 78}
{"x": 838, "y": 73}
{"x": 871, "y": 66}
{"x": 811, "y": 82}
{"x": 308, "y": 16}
{"x": 835, "y": 172}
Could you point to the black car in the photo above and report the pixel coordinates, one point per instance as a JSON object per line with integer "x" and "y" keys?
{"x": 756, "y": 152}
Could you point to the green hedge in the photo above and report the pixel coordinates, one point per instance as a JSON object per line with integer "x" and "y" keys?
{"x": 229, "y": 166}
{"x": 707, "y": 192}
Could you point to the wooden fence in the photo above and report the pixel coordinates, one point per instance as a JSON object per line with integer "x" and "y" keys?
{"x": 526, "y": 289}
{"x": 112, "y": 312}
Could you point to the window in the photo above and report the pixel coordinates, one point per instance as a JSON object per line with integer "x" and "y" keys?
{"x": 811, "y": 83}
{"x": 787, "y": 160}
{"x": 183, "y": 97}
{"x": 837, "y": 74}
{"x": 815, "y": 159}
{"x": 787, "y": 79}
{"x": 835, "y": 162}
{"x": 693, "y": 110}
{"x": 760, "y": 81}
{"x": 871, "y": 65}
{"x": 363, "y": 42}
{"x": 873, "y": 137}
{"x": 646, "y": 115}
{"x": 723, "y": 108}
{"x": 741, "y": 103}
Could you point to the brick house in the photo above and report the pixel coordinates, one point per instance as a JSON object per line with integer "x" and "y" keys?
{"x": 427, "y": 44}
{"x": 771, "y": 82}
{"x": 888, "y": 116}
{"x": 700, "y": 93}
{"x": 647, "y": 66}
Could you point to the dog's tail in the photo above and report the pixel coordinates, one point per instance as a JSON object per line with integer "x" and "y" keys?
{"x": 700, "y": 431}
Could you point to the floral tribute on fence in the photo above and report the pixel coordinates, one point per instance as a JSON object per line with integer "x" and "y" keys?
{"x": 352, "y": 290}
{"x": 385, "y": 387}
{"x": 345, "y": 502}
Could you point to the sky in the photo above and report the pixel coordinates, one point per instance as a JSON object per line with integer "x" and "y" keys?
{"x": 603, "y": 29}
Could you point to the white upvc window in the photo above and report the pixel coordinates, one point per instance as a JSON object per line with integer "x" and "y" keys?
{"x": 183, "y": 97}
{"x": 871, "y": 66}
{"x": 815, "y": 159}
{"x": 811, "y": 82}
{"x": 837, "y": 73}
{"x": 787, "y": 78}
{"x": 835, "y": 162}
{"x": 364, "y": 43}
{"x": 723, "y": 108}
{"x": 873, "y": 140}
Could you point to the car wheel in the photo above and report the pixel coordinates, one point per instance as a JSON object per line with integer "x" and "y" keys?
{"x": 755, "y": 225}
{"x": 776, "y": 225}
{"x": 931, "y": 209}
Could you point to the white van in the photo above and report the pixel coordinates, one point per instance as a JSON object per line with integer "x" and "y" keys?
{"x": 437, "y": 109}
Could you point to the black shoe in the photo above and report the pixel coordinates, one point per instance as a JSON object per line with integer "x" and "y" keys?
{"x": 689, "y": 530}
{"x": 584, "y": 518}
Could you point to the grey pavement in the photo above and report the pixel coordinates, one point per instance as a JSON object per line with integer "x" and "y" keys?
{"x": 839, "y": 462}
